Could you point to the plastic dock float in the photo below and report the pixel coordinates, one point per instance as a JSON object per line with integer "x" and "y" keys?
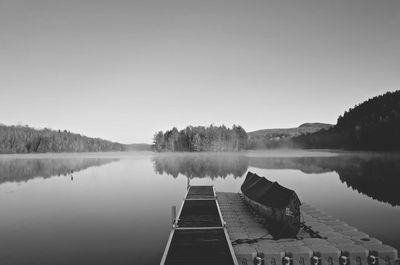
{"x": 324, "y": 240}
{"x": 198, "y": 234}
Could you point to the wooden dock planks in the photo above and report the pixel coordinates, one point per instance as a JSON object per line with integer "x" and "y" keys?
{"x": 199, "y": 213}
{"x": 199, "y": 247}
{"x": 198, "y": 235}
{"x": 200, "y": 193}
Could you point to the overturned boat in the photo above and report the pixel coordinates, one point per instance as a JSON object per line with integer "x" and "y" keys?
{"x": 279, "y": 206}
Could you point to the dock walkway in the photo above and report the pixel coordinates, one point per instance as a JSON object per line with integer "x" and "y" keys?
{"x": 199, "y": 235}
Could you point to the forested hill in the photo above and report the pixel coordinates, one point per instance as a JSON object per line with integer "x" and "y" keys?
{"x": 24, "y": 139}
{"x": 371, "y": 125}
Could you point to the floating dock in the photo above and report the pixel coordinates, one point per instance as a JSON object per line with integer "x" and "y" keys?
{"x": 323, "y": 240}
{"x": 198, "y": 235}
{"x": 220, "y": 228}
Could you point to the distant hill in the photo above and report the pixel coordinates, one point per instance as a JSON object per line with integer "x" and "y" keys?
{"x": 371, "y": 125}
{"x": 316, "y": 125}
{"x": 25, "y": 139}
{"x": 276, "y": 138}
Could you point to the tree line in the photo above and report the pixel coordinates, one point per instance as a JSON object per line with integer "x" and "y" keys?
{"x": 200, "y": 138}
{"x": 371, "y": 125}
{"x": 24, "y": 139}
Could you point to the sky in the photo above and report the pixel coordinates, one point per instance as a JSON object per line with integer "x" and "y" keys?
{"x": 121, "y": 70}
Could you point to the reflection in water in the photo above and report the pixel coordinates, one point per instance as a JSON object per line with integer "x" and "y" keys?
{"x": 375, "y": 176}
{"x": 308, "y": 165}
{"x": 98, "y": 218}
{"x": 201, "y": 165}
{"x": 19, "y": 170}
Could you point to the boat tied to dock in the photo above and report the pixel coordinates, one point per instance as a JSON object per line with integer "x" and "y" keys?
{"x": 279, "y": 205}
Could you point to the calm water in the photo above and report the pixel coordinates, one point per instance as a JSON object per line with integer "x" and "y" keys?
{"x": 114, "y": 208}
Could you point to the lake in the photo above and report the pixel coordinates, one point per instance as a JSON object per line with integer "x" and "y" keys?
{"x": 115, "y": 208}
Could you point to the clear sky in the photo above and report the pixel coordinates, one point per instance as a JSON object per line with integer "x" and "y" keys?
{"x": 121, "y": 70}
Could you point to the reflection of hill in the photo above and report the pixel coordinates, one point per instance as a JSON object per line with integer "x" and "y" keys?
{"x": 375, "y": 176}
{"x": 201, "y": 165}
{"x": 18, "y": 170}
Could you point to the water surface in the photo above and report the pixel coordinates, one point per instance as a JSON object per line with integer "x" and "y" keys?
{"x": 114, "y": 208}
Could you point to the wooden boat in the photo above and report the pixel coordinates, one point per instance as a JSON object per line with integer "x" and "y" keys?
{"x": 279, "y": 206}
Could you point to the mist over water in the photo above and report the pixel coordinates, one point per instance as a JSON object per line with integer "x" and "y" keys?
{"x": 202, "y": 165}
{"x": 24, "y": 169}
{"x": 116, "y": 208}
{"x": 374, "y": 175}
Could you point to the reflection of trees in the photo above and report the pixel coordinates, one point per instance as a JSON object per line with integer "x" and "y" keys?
{"x": 308, "y": 165}
{"x": 18, "y": 170}
{"x": 375, "y": 176}
{"x": 201, "y": 165}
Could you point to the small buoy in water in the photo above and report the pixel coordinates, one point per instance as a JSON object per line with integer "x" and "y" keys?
{"x": 372, "y": 259}
{"x": 344, "y": 260}
{"x": 315, "y": 260}
{"x": 287, "y": 260}
{"x": 258, "y": 261}
{"x": 72, "y": 178}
